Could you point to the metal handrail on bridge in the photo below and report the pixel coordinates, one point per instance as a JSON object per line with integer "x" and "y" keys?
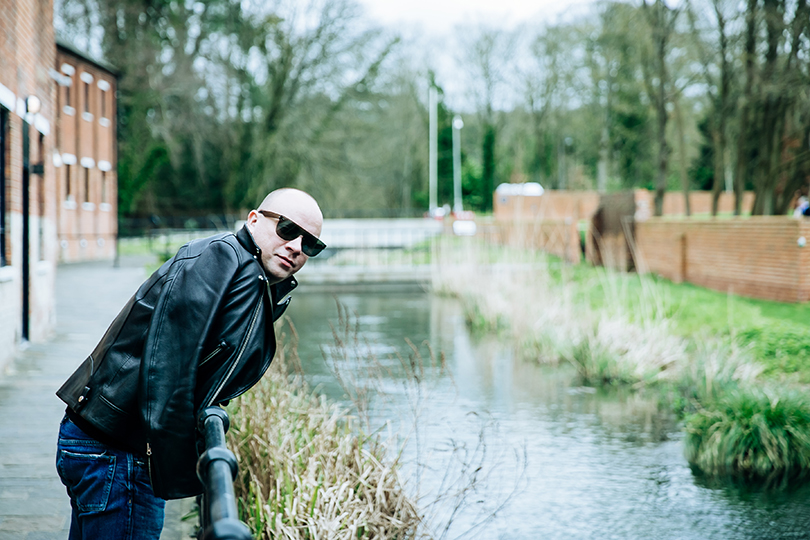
{"x": 217, "y": 468}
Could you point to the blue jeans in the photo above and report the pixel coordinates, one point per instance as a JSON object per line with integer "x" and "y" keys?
{"x": 110, "y": 493}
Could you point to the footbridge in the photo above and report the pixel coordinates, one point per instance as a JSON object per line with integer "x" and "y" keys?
{"x": 360, "y": 253}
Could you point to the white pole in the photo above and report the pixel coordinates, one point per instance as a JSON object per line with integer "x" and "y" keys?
{"x": 458, "y": 123}
{"x": 433, "y": 98}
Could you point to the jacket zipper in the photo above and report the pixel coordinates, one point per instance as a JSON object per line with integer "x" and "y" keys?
{"x": 213, "y": 353}
{"x": 238, "y": 356}
{"x": 149, "y": 462}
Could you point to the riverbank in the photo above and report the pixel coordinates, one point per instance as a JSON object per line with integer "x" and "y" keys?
{"x": 694, "y": 349}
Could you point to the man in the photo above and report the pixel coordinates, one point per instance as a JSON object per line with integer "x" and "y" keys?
{"x": 198, "y": 332}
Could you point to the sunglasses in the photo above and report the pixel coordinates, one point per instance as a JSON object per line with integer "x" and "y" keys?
{"x": 288, "y": 230}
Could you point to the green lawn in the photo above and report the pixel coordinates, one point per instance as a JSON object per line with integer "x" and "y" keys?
{"x": 778, "y": 333}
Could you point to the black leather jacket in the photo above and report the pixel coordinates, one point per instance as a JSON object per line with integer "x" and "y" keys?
{"x": 198, "y": 332}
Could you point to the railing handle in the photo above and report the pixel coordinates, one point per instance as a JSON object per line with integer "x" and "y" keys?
{"x": 216, "y": 469}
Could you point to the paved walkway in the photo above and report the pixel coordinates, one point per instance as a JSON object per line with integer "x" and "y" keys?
{"x": 33, "y": 502}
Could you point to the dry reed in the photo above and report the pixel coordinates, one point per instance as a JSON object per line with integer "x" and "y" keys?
{"x": 306, "y": 472}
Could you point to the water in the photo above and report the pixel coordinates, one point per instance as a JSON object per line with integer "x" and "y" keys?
{"x": 568, "y": 462}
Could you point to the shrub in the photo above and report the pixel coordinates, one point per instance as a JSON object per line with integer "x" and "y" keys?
{"x": 750, "y": 433}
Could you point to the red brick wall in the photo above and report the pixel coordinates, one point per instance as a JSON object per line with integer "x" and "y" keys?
{"x": 552, "y": 205}
{"x": 558, "y": 237}
{"x": 758, "y": 257}
{"x": 700, "y": 202}
{"x": 555, "y": 204}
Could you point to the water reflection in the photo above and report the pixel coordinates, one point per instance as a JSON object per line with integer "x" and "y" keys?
{"x": 599, "y": 465}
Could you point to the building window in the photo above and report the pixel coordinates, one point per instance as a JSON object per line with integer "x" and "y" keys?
{"x": 67, "y": 96}
{"x": 103, "y": 104}
{"x": 86, "y": 97}
{"x": 68, "y": 195}
{"x": 4, "y": 174}
{"x": 86, "y": 185}
{"x": 103, "y": 187}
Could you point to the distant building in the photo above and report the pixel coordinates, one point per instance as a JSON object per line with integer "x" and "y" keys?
{"x": 85, "y": 157}
{"x": 58, "y": 182}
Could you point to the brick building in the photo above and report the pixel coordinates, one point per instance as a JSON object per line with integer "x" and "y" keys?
{"x": 27, "y": 176}
{"x": 57, "y": 167}
{"x": 85, "y": 157}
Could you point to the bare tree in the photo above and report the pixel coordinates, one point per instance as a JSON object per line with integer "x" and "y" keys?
{"x": 486, "y": 54}
{"x": 718, "y": 74}
{"x": 661, "y": 20}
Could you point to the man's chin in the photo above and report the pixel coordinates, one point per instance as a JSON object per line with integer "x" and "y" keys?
{"x": 278, "y": 273}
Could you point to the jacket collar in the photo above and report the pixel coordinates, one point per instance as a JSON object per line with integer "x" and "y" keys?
{"x": 280, "y": 289}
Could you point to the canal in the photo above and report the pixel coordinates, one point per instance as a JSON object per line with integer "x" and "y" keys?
{"x": 515, "y": 450}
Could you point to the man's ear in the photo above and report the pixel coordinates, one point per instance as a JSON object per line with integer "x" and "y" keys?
{"x": 252, "y": 218}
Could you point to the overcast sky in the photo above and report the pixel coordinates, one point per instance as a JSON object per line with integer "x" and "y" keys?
{"x": 433, "y": 22}
{"x": 437, "y": 16}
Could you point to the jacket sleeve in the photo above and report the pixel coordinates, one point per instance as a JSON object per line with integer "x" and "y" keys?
{"x": 184, "y": 313}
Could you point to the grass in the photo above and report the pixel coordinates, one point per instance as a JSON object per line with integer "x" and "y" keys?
{"x": 706, "y": 353}
{"x": 752, "y": 433}
{"x": 306, "y": 471}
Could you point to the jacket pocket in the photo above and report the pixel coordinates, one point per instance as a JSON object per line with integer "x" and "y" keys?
{"x": 218, "y": 350}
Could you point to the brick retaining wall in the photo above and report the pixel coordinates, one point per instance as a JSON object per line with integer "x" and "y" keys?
{"x": 758, "y": 257}
{"x": 558, "y": 237}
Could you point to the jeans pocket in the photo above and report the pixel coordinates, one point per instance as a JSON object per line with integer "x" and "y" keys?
{"x": 88, "y": 478}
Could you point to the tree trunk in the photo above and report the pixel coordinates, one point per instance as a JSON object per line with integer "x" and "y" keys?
{"x": 682, "y": 160}
{"x": 719, "y": 142}
{"x": 603, "y": 165}
{"x": 488, "y": 165}
{"x": 663, "y": 148}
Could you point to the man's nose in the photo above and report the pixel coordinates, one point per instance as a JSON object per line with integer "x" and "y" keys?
{"x": 295, "y": 244}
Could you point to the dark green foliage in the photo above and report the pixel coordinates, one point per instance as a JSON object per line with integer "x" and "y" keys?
{"x": 753, "y": 434}
{"x": 701, "y": 173}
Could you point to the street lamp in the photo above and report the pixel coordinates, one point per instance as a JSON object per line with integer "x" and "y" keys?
{"x": 458, "y": 123}
{"x": 32, "y": 107}
{"x": 32, "y": 104}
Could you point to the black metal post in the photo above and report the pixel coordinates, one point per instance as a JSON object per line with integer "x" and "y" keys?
{"x": 216, "y": 468}
{"x": 26, "y": 232}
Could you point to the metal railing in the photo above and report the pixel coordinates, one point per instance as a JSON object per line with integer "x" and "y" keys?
{"x": 217, "y": 468}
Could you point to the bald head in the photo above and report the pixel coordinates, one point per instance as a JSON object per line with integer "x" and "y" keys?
{"x": 282, "y": 258}
{"x": 290, "y": 196}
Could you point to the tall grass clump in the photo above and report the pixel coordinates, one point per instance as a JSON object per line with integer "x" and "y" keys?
{"x": 533, "y": 303}
{"x": 306, "y": 471}
{"x": 751, "y": 433}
